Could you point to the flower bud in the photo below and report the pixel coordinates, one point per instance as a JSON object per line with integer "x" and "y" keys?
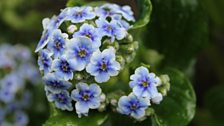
{"x": 113, "y": 102}
{"x": 71, "y": 29}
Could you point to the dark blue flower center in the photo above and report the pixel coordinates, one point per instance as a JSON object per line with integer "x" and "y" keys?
{"x": 85, "y": 97}
{"x": 109, "y": 28}
{"x": 58, "y": 45}
{"x": 134, "y": 106}
{"x": 145, "y": 84}
{"x": 6, "y": 93}
{"x": 65, "y": 66}
{"x": 9, "y": 83}
{"x": 88, "y": 35}
{"x": 79, "y": 14}
{"x": 103, "y": 66}
{"x": 56, "y": 84}
{"x": 82, "y": 53}
{"x": 61, "y": 98}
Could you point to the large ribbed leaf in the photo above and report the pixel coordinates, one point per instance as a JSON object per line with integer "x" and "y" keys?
{"x": 71, "y": 119}
{"x": 178, "y": 107}
{"x": 178, "y": 30}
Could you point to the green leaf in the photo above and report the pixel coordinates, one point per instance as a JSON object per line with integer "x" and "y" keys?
{"x": 71, "y": 119}
{"x": 116, "y": 119}
{"x": 145, "y": 9}
{"x": 72, "y": 3}
{"x": 214, "y": 102}
{"x": 178, "y": 107}
{"x": 178, "y": 30}
{"x": 215, "y": 9}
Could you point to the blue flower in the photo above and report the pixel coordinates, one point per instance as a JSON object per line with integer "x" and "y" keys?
{"x": 62, "y": 100}
{"x": 127, "y": 13}
{"x": 107, "y": 10}
{"x": 57, "y": 43}
{"x": 122, "y": 23}
{"x": 64, "y": 68}
{"x": 80, "y": 49}
{"x": 111, "y": 29}
{"x": 90, "y": 32}
{"x": 12, "y": 82}
{"x": 22, "y": 53}
{"x": 80, "y": 14}
{"x": 29, "y": 72}
{"x": 133, "y": 106}
{"x": 103, "y": 65}
{"x": 62, "y": 16}
{"x": 45, "y": 60}
{"x": 6, "y": 95}
{"x": 49, "y": 26}
{"x": 86, "y": 97}
{"x": 55, "y": 85}
{"x": 144, "y": 84}
{"x": 21, "y": 119}
{"x": 6, "y": 61}
{"x": 9, "y": 86}
{"x": 43, "y": 41}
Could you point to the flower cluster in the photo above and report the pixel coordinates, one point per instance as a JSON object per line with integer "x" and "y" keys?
{"x": 81, "y": 47}
{"x": 16, "y": 68}
{"x": 144, "y": 91}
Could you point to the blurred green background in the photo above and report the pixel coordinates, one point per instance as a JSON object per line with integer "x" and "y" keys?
{"x": 187, "y": 34}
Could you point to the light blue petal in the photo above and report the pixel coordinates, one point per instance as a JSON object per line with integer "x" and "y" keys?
{"x": 96, "y": 56}
{"x": 123, "y": 101}
{"x": 92, "y": 69}
{"x": 153, "y": 91}
{"x": 82, "y": 86}
{"x": 81, "y": 108}
{"x": 138, "y": 113}
{"x": 75, "y": 95}
{"x": 132, "y": 84}
{"x": 115, "y": 67}
{"x": 94, "y": 103}
{"x": 50, "y": 97}
{"x": 102, "y": 77}
{"x": 122, "y": 105}
{"x": 100, "y": 22}
{"x": 69, "y": 107}
{"x": 109, "y": 54}
{"x": 142, "y": 71}
{"x": 80, "y": 65}
{"x": 113, "y": 72}
{"x": 68, "y": 76}
{"x": 43, "y": 41}
{"x": 120, "y": 34}
{"x": 95, "y": 89}
{"x": 139, "y": 91}
{"x": 135, "y": 77}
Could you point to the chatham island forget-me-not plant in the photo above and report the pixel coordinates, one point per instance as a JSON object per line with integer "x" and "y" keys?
{"x": 83, "y": 50}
